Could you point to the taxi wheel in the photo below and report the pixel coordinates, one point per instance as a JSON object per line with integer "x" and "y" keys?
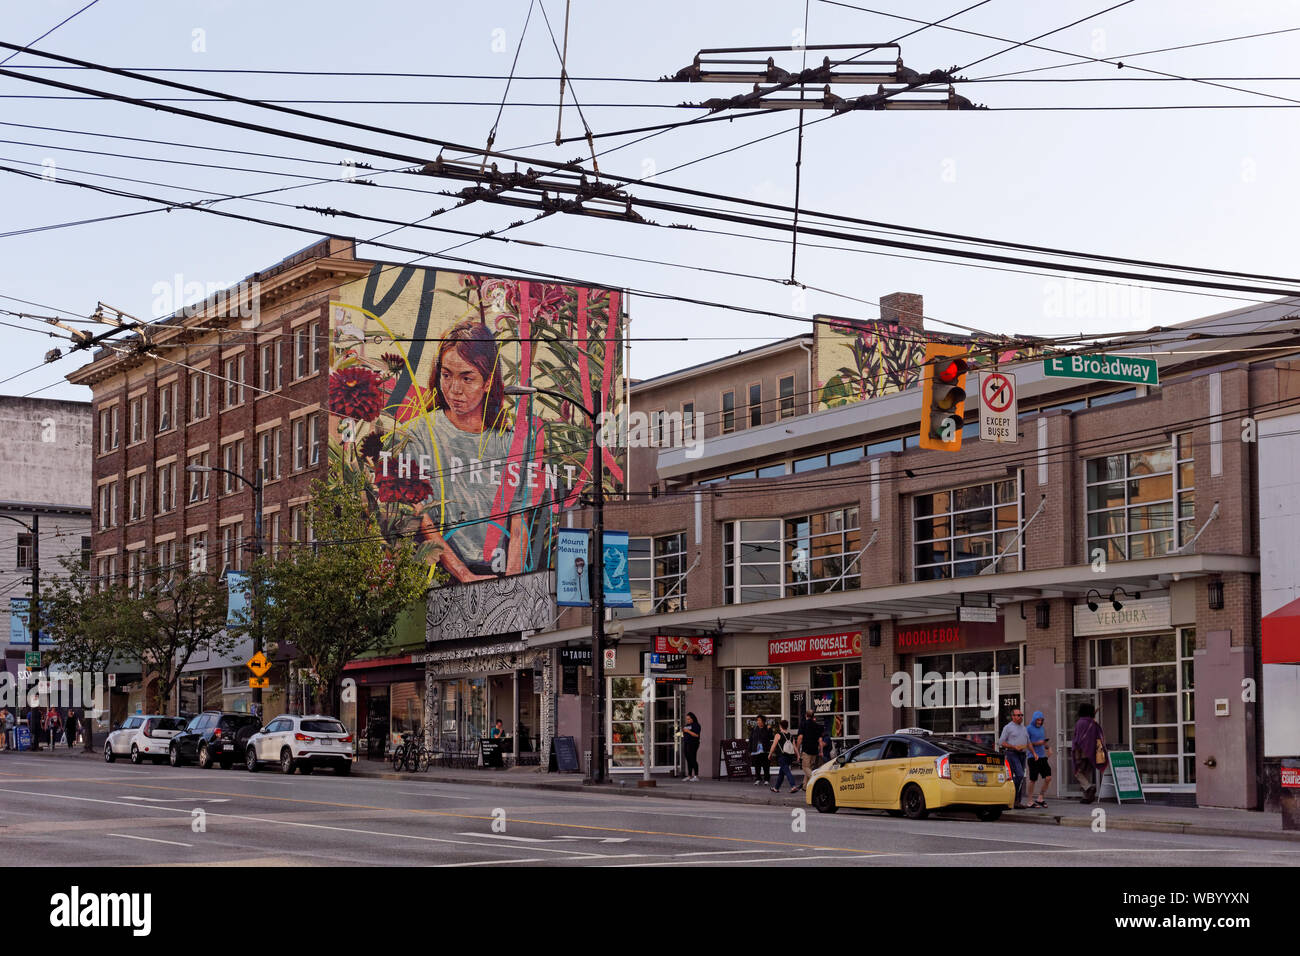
{"x": 914, "y": 803}
{"x": 109, "y": 756}
{"x": 988, "y": 814}
{"x": 824, "y": 798}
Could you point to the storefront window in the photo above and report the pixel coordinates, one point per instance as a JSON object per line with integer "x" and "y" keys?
{"x": 958, "y": 533}
{"x": 657, "y": 567}
{"x": 951, "y": 705}
{"x": 834, "y": 690}
{"x": 1158, "y": 704}
{"x": 627, "y": 724}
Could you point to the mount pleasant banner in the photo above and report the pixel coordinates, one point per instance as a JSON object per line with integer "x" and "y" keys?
{"x": 419, "y": 363}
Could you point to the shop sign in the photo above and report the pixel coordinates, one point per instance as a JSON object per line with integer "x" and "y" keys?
{"x": 817, "y": 647}
{"x": 661, "y": 663}
{"x": 575, "y": 656}
{"x": 760, "y": 680}
{"x": 735, "y": 757}
{"x": 1124, "y": 772}
{"x": 822, "y": 704}
{"x": 1149, "y": 615}
{"x": 979, "y": 615}
{"x": 947, "y": 635}
{"x": 1291, "y": 777}
{"x": 684, "y": 645}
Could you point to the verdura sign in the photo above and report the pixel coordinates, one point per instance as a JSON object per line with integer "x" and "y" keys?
{"x": 1109, "y": 368}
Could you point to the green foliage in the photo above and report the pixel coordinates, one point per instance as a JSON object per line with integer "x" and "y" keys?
{"x": 341, "y": 597}
{"x": 182, "y": 613}
{"x": 91, "y": 627}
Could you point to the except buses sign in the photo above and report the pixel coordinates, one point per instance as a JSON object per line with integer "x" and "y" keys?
{"x": 1108, "y": 368}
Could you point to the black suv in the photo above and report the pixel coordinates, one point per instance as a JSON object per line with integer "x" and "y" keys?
{"x": 213, "y": 737}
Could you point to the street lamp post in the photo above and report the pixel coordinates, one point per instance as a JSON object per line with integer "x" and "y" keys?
{"x": 598, "y": 573}
{"x": 256, "y": 485}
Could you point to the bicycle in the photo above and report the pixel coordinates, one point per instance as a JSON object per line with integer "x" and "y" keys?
{"x": 411, "y": 754}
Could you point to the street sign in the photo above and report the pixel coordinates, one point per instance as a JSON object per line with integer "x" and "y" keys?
{"x": 998, "y": 408}
{"x": 611, "y": 658}
{"x": 259, "y": 665}
{"x": 982, "y": 615}
{"x": 32, "y": 659}
{"x": 112, "y": 680}
{"x": 259, "y": 681}
{"x": 1106, "y": 368}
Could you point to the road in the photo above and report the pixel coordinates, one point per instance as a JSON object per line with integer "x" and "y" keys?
{"x": 76, "y": 812}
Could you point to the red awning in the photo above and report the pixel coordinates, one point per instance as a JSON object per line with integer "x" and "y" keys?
{"x": 377, "y": 662}
{"x": 1282, "y": 635}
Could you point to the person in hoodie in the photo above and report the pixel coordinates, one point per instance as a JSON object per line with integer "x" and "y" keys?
{"x": 1040, "y": 761}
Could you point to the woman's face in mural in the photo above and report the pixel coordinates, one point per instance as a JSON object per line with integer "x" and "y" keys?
{"x": 462, "y": 386}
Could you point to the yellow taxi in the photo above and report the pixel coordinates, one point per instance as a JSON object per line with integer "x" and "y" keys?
{"x": 911, "y": 772}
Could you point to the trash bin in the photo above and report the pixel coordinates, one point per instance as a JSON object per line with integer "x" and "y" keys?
{"x": 1291, "y": 794}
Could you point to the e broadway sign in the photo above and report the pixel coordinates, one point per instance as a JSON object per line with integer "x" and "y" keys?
{"x": 1108, "y": 368}
{"x": 818, "y": 647}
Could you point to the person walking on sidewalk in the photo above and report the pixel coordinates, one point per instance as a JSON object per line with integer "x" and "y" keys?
{"x": 691, "y": 746}
{"x": 35, "y": 720}
{"x": 784, "y": 749}
{"x": 1088, "y": 741}
{"x": 760, "y": 739}
{"x": 52, "y": 724}
{"x": 6, "y": 723}
{"x": 809, "y": 745}
{"x": 1015, "y": 744}
{"x": 1040, "y": 761}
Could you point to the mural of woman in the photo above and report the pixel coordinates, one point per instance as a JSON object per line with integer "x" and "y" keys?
{"x": 467, "y": 440}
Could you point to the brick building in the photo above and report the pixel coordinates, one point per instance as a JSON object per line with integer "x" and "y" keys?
{"x": 224, "y": 385}
{"x": 1111, "y": 555}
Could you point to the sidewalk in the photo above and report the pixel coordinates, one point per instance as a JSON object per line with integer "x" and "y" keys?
{"x": 1155, "y": 818}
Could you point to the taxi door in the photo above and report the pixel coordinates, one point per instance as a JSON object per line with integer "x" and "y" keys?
{"x": 853, "y": 778}
{"x": 890, "y": 774}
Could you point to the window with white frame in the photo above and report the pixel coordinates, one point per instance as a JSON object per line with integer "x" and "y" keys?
{"x": 299, "y": 529}
{"x": 688, "y": 421}
{"x": 299, "y": 444}
{"x": 269, "y": 442}
{"x": 770, "y": 558}
{"x": 1142, "y": 504}
{"x": 198, "y": 395}
{"x": 108, "y": 505}
{"x": 105, "y": 572}
{"x": 24, "y": 551}
{"x": 657, "y": 569}
{"x": 232, "y": 540}
{"x": 166, "y": 407}
{"x": 108, "y": 439}
{"x": 198, "y": 480}
{"x": 135, "y": 567}
{"x": 197, "y": 550}
{"x": 269, "y": 361}
{"x": 166, "y": 488}
{"x": 232, "y": 459}
{"x": 136, "y": 415}
{"x": 137, "y": 486}
{"x": 232, "y": 373}
{"x": 165, "y": 558}
{"x": 958, "y": 532}
{"x": 315, "y": 344}
{"x": 315, "y": 434}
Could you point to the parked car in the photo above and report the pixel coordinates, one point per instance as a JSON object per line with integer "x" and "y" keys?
{"x": 910, "y": 773}
{"x": 143, "y": 736}
{"x": 301, "y": 743}
{"x": 213, "y": 737}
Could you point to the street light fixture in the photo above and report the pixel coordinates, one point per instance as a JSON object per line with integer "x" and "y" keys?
{"x": 598, "y": 591}
{"x": 256, "y": 485}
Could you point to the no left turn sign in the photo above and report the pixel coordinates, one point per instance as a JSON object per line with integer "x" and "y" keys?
{"x": 998, "y": 407}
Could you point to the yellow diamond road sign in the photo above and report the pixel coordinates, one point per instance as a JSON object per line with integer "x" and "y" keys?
{"x": 258, "y": 664}
{"x": 259, "y": 681}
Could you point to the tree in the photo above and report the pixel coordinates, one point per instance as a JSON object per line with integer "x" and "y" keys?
{"x": 184, "y": 611}
{"x": 341, "y": 596}
{"x": 92, "y": 625}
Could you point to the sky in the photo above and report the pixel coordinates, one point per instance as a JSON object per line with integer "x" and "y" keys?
{"x": 1206, "y": 187}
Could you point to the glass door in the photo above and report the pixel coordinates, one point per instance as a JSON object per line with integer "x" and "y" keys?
{"x": 1067, "y": 712}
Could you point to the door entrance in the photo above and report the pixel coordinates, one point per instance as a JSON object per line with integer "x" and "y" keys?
{"x": 1067, "y": 713}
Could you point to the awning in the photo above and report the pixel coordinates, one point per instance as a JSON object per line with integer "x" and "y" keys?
{"x": 1282, "y": 635}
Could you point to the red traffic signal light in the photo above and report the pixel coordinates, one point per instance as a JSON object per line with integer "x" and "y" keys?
{"x": 943, "y": 397}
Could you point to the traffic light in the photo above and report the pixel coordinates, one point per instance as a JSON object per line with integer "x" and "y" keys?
{"x": 943, "y": 396}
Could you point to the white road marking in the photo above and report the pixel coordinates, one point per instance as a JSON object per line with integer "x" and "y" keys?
{"x": 534, "y": 859}
{"x": 506, "y": 836}
{"x": 775, "y": 859}
{"x": 180, "y": 799}
{"x": 127, "y": 836}
{"x": 718, "y": 852}
{"x": 440, "y": 796}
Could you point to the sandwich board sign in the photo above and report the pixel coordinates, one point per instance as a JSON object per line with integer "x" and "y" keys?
{"x": 1124, "y": 771}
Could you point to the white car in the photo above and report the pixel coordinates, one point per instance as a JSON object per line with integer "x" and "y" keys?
{"x": 301, "y": 743}
{"x": 143, "y": 736}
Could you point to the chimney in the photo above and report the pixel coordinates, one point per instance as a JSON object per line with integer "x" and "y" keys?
{"x": 905, "y": 308}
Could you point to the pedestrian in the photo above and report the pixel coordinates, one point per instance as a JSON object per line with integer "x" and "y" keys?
{"x": 5, "y": 723}
{"x": 1040, "y": 761}
{"x": 691, "y": 746}
{"x": 55, "y": 725}
{"x": 1015, "y": 744}
{"x": 828, "y": 745}
{"x": 785, "y": 751}
{"x": 760, "y": 740}
{"x": 808, "y": 743}
{"x": 1088, "y": 745}
{"x": 72, "y": 727}
{"x": 35, "y": 719}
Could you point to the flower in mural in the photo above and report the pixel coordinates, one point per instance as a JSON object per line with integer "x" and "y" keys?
{"x": 372, "y": 445}
{"x": 409, "y": 490}
{"x": 393, "y": 362}
{"x": 358, "y": 392}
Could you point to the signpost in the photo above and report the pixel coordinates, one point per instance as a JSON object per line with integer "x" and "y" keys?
{"x": 32, "y": 660}
{"x": 999, "y": 406}
{"x": 1124, "y": 771}
{"x": 1105, "y": 368}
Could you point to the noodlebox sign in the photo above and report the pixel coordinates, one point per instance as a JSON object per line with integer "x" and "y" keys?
{"x": 1108, "y": 368}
